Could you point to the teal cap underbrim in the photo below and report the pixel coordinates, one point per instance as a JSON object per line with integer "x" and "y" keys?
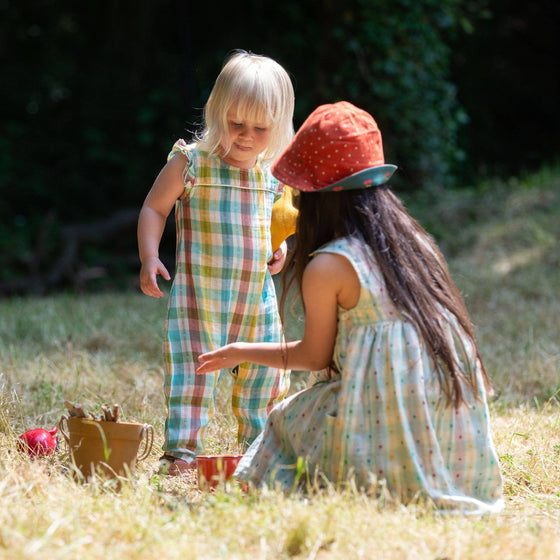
{"x": 374, "y": 176}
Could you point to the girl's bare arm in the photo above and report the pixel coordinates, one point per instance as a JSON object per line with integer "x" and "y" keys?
{"x": 327, "y": 281}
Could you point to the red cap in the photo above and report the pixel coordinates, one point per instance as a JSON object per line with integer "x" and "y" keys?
{"x": 338, "y": 147}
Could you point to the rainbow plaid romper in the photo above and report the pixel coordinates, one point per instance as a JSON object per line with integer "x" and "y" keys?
{"x": 222, "y": 292}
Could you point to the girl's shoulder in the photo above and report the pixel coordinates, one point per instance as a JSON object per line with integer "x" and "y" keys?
{"x": 181, "y": 147}
{"x": 197, "y": 157}
{"x": 192, "y": 151}
{"x": 359, "y": 255}
{"x": 346, "y": 246}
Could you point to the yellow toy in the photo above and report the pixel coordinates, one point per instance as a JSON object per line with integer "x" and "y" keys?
{"x": 284, "y": 218}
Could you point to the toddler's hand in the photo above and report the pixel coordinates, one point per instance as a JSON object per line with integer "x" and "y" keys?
{"x": 276, "y": 264}
{"x": 151, "y": 267}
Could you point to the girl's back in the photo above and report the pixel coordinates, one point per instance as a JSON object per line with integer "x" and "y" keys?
{"x": 390, "y": 419}
{"x": 382, "y": 415}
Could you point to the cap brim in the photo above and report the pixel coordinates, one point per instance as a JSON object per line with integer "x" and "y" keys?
{"x": 370, "y": 177}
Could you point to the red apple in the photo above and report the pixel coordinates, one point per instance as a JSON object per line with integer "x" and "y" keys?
{"x": 38, "y": 442}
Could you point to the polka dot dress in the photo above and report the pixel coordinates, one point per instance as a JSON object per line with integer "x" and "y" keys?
{"x": 382, "y": 418}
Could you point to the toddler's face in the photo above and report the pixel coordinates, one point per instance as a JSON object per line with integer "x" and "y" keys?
{"x": 248, "y": 139}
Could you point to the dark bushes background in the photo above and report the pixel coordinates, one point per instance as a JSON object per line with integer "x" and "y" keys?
{"x": 94, "y": 94}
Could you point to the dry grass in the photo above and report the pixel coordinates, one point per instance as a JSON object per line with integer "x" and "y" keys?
{"x": 105, "y": 348}
{"x": 46, "y": 514}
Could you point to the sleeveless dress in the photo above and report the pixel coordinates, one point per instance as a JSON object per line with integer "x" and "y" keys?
{"x": 381, "y": 418}
{"x": 222, "y": 292}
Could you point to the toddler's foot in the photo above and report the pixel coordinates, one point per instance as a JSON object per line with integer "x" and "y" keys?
{"x": 172, "y": 466}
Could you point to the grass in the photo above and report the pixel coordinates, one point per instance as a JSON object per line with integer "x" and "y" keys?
{"x": 502, "y": 241}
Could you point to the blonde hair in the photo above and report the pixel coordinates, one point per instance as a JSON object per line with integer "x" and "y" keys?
{"x": 262, "y": 91}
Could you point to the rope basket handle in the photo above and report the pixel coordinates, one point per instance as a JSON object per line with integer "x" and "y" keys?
{"x": 147, "y": 434}
{"x": 63, "y": 427}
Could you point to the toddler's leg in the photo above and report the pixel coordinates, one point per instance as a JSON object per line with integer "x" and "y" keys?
{"x": 256, "y": 390}
{"x": 190, "y": 403}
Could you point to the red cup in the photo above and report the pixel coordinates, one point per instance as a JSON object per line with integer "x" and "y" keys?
{"x": 214, "y": 470}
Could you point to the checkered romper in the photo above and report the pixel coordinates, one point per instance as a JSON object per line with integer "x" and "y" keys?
{"x": 222, "y": 293}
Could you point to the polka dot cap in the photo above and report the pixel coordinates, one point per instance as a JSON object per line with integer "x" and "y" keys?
{"x": 338, "y": 147}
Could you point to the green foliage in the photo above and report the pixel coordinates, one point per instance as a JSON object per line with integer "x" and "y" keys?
{"x": 87, "y": 100}
{"x": 507, "y": 78}
{"x": 100, "y": 95}
{"x": 97, "y": 95}
{"x": 393, "y": 59}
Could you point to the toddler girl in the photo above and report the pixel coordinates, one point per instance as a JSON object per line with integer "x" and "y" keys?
{"x": 223, "y": 192}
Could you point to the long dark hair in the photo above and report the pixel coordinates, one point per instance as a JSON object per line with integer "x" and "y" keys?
{"x": 415, "y": 271}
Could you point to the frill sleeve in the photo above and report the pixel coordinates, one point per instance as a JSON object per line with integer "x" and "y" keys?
{"x": 189, "y": 172}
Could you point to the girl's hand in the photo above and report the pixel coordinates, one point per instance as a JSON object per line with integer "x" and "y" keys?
{"x": 151, "y": 267}
{"x": 276, "y": 264}
{"x": 226, "y": 357}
